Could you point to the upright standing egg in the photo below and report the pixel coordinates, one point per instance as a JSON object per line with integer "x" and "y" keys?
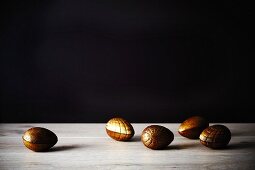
{"x": 119, "y": 129}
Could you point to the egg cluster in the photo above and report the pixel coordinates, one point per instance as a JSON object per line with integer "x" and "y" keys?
{"x": 154, "y": 136}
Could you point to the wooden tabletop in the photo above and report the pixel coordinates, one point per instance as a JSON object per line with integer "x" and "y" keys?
{"x": 87, "y": 146}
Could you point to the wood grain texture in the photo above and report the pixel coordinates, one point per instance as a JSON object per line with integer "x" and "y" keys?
{"x": 87, "y": 146}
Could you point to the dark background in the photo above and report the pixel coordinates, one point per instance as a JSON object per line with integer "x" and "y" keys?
{"x": 87, "y": 61}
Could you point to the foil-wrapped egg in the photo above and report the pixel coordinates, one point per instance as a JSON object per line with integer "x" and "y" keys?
{"x": 119, "y": 129}
{"x": 192, "y": 127}
{"x": 39, "y": 139}
{"x": 216, "y": 136}
{"x": 157, "y": 137}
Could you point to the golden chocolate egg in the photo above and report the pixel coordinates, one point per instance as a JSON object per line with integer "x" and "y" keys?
{"x": 216, "y": 136}
{"x": 157, "y": 137}
{"x": 192, "y": 127}
{"x": 119, "y": 129}
{"x": 39, "y": 139}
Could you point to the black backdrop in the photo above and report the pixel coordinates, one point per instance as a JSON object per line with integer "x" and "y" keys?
{"x": 87, "y": 61}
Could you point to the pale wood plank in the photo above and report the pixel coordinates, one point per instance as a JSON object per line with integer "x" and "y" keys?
{"x": 87, "y": 146}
